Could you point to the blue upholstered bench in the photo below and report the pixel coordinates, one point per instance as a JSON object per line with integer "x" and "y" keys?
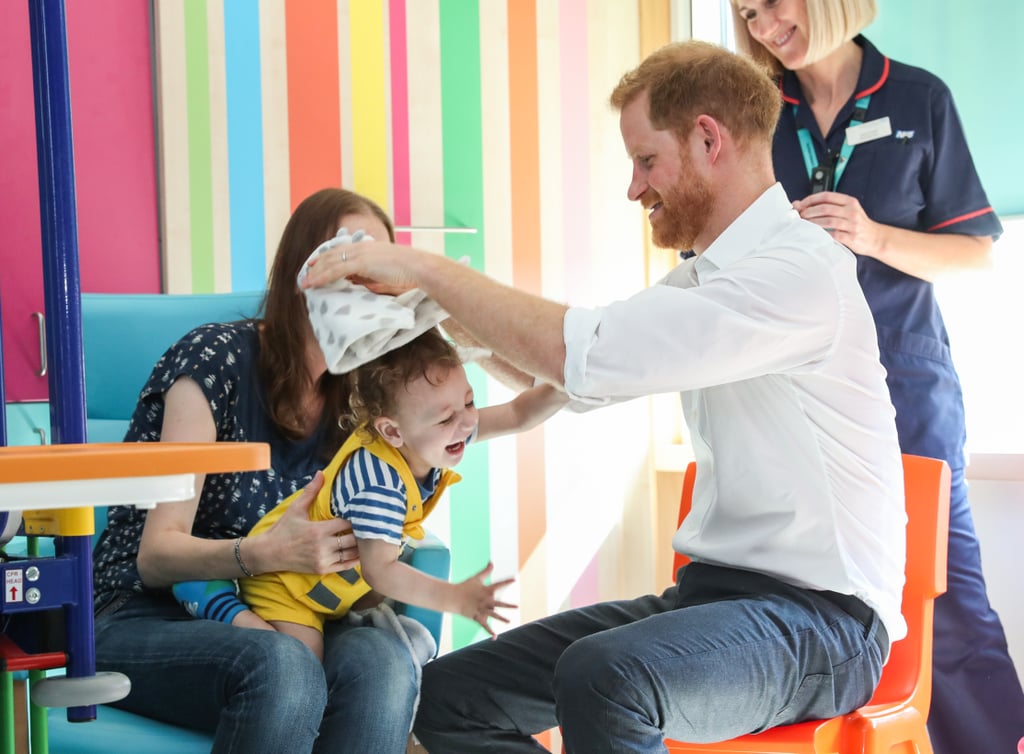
{"x": 123, "y": 336}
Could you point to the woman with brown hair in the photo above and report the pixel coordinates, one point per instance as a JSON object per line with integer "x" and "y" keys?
{"x": 259, "y": 380}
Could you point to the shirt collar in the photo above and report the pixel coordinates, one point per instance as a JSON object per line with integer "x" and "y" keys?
{"x": 429, "y": 485}
{"x": 745, "y": 234}
{"x": 874, "y": 71}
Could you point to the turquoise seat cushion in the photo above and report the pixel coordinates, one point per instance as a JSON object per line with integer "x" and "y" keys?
{"x": 114, "y": 730}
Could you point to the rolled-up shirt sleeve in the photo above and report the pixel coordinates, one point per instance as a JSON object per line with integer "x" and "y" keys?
{"x": 579, "y": 328}
{"x": 676, "y": 336}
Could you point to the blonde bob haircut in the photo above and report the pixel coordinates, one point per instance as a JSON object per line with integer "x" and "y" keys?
{"x": 831, "y": 23}
{"x": 686, "y": 79}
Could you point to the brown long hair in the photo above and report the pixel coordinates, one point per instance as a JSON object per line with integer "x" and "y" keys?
{"x": 286, "y": 330}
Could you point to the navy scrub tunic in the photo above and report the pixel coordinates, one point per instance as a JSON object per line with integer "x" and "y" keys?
{"x": 920, "y": 177}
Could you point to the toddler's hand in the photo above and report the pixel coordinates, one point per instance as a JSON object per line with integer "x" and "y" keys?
{"x": 476, "y": 600}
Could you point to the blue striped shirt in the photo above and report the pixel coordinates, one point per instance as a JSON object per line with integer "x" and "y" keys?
{"x": 371, "y": 495}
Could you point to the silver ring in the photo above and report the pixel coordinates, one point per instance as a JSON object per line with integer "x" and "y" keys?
{"x": 344, "y": 256}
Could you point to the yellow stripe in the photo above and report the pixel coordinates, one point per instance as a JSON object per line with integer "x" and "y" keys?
{"x": 219, "y": 148}
{"x": 172, "y": 115}
{"x": 534, "y": 583}
{"x": 369, "y": 131}
{"x": 617, "y": 270}
{"x": 274, "y": 86}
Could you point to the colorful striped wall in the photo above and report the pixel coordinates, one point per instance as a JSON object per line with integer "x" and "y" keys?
{"x": 480, "y": 114}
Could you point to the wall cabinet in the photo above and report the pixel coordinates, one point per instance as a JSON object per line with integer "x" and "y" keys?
{"x": 28, "y": 423}
{"x": 110, "y": 72}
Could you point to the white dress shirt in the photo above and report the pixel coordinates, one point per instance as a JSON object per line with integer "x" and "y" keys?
{"x": 770, "y": 343}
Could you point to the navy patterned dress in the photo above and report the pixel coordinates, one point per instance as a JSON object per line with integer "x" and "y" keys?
{"x": 222, "y": 359}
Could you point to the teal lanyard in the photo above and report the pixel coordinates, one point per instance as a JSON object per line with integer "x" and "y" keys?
{"x": 810, "y": 154}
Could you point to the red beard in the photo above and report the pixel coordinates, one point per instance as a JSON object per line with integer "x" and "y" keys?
{"x": 684, "y": 211}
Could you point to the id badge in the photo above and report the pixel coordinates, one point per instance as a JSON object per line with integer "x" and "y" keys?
{"x": 873, "y": 129}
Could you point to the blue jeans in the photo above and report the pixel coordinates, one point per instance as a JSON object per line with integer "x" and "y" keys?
{"x": 723, "y": 653}
{"x": 259, "y": 691}
{"x": 977, "y": 701}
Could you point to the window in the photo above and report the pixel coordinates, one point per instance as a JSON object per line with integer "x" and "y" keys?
{"x": 984, "y": 314}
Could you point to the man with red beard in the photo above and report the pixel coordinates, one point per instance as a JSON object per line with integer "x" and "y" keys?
{"x": 796, "y": 535}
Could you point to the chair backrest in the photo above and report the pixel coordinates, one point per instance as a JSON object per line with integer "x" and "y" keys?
{"x": 123, "y": 335}
{"x": 907, "y": 674}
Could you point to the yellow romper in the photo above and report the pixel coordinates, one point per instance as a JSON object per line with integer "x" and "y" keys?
{"x": 308, "y": 598}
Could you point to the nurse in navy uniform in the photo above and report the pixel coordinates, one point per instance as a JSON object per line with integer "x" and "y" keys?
{"x": 874, "y": 151}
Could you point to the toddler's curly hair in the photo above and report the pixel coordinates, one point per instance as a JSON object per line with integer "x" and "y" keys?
{"x": 373, "y": 387}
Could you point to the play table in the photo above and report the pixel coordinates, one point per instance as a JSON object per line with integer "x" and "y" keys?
{"x": 55, "y": 488}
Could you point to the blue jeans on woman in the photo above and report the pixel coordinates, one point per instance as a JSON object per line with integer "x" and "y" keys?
{"x": 723, "y": 653}
{"x": 259, "y": 691}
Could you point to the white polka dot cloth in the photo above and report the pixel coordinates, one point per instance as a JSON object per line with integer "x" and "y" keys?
{"x": 353, "y": 325}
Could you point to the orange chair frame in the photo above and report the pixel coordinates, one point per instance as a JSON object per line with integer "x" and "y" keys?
{"x": 895, "y": 718}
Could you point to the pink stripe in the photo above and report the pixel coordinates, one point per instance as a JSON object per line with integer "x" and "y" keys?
{"x": 402, "y": 212}
{"x": 572, "y": 24}
{"x": 588, "y": 589}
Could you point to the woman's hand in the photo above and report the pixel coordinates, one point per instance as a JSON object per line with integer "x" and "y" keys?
{"x": 382, "y": 267}
{"x": 843, "y": 217}
{"x": 295, "y": 543}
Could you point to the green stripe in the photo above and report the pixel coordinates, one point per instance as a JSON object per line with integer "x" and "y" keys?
{"x": 200, "y": 160}
{"x": 462, "y": 145}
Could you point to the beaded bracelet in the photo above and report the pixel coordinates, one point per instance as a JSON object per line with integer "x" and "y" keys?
{"x": 238, "y": 557}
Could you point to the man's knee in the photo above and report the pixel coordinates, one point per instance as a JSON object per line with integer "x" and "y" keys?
{"x": 589, "y": 668}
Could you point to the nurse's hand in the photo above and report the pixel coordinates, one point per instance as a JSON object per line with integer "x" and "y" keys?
{"x": 381, "y": 267}
{"x": 843, "y": 217}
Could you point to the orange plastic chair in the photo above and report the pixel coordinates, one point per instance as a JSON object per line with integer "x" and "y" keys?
{"x": 894, "y": 720}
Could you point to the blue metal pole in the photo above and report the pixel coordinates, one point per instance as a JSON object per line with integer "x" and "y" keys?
{"x": 62, "y": 296}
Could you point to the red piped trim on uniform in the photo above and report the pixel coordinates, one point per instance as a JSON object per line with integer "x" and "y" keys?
{"x": 790, "y": 100}
{"x": 961, "y": 218}
{"x": 878, "y": 84}
{"x": 870, "y": 90}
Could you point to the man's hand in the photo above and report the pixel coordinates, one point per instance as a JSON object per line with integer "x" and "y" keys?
{"x": 381, "y": 267}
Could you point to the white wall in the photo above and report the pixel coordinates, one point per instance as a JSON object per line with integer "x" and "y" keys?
{"x": 997, "y": 502}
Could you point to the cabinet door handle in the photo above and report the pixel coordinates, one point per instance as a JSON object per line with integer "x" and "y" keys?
{"x": 42, "y": 343}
